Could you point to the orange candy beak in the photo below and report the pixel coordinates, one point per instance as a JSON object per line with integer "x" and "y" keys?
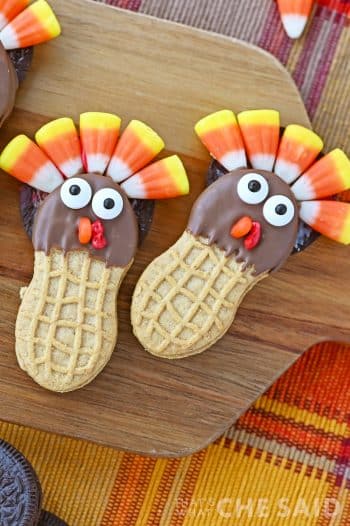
{"x": 249, "y": 229}
{"x": 242, "y": 227}
{"x": 84, "y": 230}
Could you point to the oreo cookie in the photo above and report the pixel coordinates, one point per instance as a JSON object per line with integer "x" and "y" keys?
{"x": 31, "y": 199}
{"x": 144, "y": 210}
{"x": 22, "y": 60}
{"x": 49, "y": 519}
{"x": 20, "y": 490}
{"x": 306, "y": 235}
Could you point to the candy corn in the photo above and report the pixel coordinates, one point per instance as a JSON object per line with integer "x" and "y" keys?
{"x": 99, "y": 134}
{"x": 23, "y": 159}
{"x": 36, "y": 24}
{"x": 261, "y": 132}
{"x": 161, "y": 180}
{"x": 137, "y": 147}
{"x": 298, "y": 149}
{"x": 9, "y": 9}
{"x": 220, "y": 134}
{"x": 59, "y": 139}
{"x": 330, "y": 218}
{"x": 329, "y": 176}
{"x": 294, "y": 14}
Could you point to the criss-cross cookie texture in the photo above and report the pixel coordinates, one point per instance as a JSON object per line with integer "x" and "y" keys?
{"x": 66, "y": 327}
{"x": 188, "y": 297}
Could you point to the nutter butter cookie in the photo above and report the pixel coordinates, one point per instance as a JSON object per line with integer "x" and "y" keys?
{"x": 242, "y": 228}
{"x": 21, "y": 26}
{"x": 84, "y": 236}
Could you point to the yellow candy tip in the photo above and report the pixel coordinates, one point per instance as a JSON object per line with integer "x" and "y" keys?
{"x": 304, "y": 135}
{"x": 342, "y": 162}
{"x": 214, "y": 121}
{"x": 147, "y": 135}
{"x": 178, "y": 173}
{"x": 259, "y": 117}
{"x": 54, "y": 128}
{"x": 96, "y": 119}
{"x": 12, "y": 151}
{"x": 44, "y": 12}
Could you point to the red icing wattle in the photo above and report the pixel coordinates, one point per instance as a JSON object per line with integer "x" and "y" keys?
{"x": 253, "y": 238}
{"x": 98, "y": 239}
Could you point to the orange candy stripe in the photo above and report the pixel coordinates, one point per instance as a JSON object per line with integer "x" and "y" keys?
{"x": 255, "y": 133}
{"x": 295, "y": 7}
{"x": 55, "y": 148}
{"x": 28, "y": 25}
{"x": 290, "y": 149}
{"x": 11, "y": 8}
{"x": 30, "y": 161}
{"x": 330, "y": 218}
{"x": 96, "y": 141}
{"x": 230, "y": 140}
{"x": 158, "y": 183}
{"x": 318, "y": 174}
{"x": 132, "y": 151}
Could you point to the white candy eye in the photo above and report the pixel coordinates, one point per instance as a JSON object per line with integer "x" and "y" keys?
{"x": 279, "y": 210}
{"x": 76, "y": 193}
{"x": 107, "y": 203}
{"x": 252, "y": 188}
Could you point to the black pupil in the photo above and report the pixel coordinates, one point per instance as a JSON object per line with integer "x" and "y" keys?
{"x": 281, "y": 210}
{"x": 254, "y": 186}
{"x": 74, "y": 189}
{"x": 108, "y": 203}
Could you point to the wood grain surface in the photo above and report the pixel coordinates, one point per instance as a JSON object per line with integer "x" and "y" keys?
{"x": 169, "y": 76}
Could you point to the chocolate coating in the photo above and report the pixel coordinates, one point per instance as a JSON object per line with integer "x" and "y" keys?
{"x": 30, "y": 200}
{"x": 56, "y": 226}
{"x": 219, "y": 207}
{"x": 8, "y": 85}
{"x": 306, "y": 235}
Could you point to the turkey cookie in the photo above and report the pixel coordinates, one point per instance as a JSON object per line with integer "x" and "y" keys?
{"x": 21, "y": 25}
{"x": 84, "y": 236}
{"x": 242, "y": 228}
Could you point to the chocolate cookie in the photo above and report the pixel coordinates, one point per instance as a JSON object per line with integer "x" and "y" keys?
{"x": 20, "y": 491}
{"x": 21, "y": 59}
{"x": 8, "y": 85}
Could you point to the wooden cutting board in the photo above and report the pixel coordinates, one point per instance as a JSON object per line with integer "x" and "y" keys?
{"x": 169, "y": 76}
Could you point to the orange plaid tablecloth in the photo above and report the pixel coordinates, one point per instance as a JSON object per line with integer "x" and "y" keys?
{"x": 287, "y": 460}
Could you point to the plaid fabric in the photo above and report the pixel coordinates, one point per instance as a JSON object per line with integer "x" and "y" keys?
{"x": 287, "y": 460}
